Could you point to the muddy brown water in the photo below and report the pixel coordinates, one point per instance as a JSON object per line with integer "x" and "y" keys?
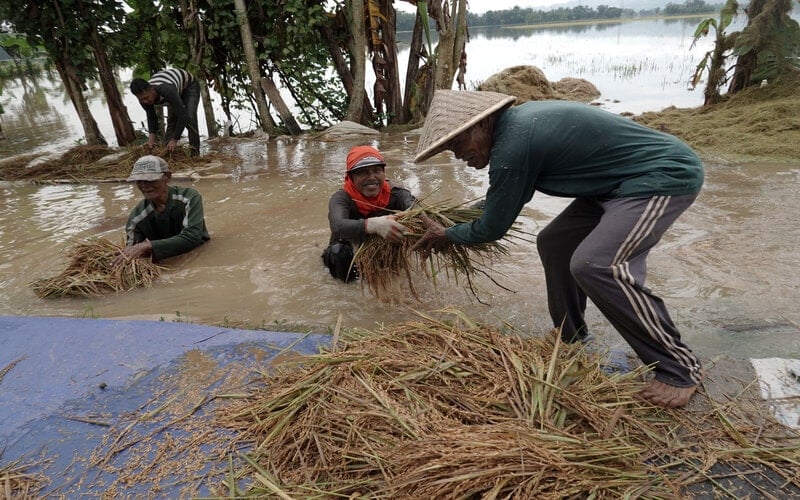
{"x": 727, "y": 269}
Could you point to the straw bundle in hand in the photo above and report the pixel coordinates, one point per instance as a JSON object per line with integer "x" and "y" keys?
{"x": 90, "y": 271}
{"x": 380, "y": 262}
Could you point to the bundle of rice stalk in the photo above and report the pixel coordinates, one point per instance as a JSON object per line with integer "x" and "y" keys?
{"x": 430, "y": 410}
{"x": 380, "y": 263}
{"x": 90, "y": 271}
{"x": 17, "y": 481}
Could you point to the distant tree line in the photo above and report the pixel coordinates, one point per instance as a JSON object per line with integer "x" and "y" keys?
{"x": 519, "y": 16}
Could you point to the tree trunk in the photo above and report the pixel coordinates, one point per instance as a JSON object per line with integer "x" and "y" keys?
{"x": 346, "y": 76}
{"x": 382, "y": 45}
{"x": 411, "y": 94}
{"x": 195, "y": 32}
{"x": 394, "y": 98}
{"x": 452, "y": 40}
{"x": 285, "y": 113}
{"x": 73, "y": 87}
{"x": 358, "y": 50}
{"x": 123, "y": 127}
{"x": 267, "y": 124}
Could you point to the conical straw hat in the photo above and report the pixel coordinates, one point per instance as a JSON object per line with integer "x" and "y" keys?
{"x": 453, "y": 112}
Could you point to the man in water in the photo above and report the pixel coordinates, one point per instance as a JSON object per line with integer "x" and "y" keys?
{"x": 366, "y": 204}
{"x": 169, "y": 220}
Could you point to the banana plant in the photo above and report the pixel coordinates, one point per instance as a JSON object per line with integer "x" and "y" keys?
{"x": 714, "y": 61}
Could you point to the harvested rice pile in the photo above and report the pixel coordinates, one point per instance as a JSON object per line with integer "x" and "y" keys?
{"x": 101, "y": 163}
{"x": 17, "y": 481}
{"x": 431, "y": 410}
{"x": 380, "y": 263}
{"x": 90, "y": 272}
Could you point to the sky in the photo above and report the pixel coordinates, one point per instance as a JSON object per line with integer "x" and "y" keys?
{"x": 481, "y": 6}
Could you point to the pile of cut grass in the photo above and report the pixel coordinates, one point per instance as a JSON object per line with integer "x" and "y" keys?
{"x": 431, "y": 409}
{"x": 18, "y": 481}
{"x": 90, "y": 271}
{"x": 100, "y": 163}
{"x": 381, "y": 263}
{"x": 758, "y": 123}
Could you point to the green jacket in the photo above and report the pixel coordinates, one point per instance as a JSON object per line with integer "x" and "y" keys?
{"x": 575, "y": 150}
{"x": 180, "y": 228}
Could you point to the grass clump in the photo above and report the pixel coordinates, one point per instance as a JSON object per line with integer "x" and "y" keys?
{"x": 17, "y": 480}
{"x": 756, "y": 123}
{"x": 82, "y": 164}
{"x": 90, "y": 271}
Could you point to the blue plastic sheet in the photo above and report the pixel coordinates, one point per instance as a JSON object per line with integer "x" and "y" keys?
{"x": 68, "y": 384}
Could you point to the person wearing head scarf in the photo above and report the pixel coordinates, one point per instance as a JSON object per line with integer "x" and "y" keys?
{"x": 169, "y": 220}
{"x": 366, "y": 204}
{"x": 628, "y": 182}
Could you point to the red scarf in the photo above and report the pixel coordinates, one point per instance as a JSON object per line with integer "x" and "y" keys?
{"x": 368, "y": 205}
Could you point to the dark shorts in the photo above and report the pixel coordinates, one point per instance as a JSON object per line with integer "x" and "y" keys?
{"x": 338, "y": 258}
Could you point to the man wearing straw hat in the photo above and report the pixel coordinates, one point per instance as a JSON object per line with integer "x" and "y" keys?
{"x": 629, "y": 184}
{"x": 169, "y": 221}
{"x": 366, "y": 204}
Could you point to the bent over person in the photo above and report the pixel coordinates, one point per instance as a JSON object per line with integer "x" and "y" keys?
{"x": 366, "y": 204}
{"x": 169, "y": 220}
{"x": 629, "y": 184}
{"x": 180, "y": 92}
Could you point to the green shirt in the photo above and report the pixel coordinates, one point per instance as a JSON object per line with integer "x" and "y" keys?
{"x": 178, "y": 229}
{"x": 575, "y": 150}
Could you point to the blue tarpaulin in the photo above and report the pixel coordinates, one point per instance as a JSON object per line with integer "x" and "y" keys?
{"x": 66, "y": 384}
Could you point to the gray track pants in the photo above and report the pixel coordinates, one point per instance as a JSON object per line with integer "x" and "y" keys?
{"x": 598, "y": 249}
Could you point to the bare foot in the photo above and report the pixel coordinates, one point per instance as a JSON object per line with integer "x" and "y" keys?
{"x": 667, "y": 396}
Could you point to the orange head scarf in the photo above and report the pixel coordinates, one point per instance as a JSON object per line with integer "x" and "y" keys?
{"x": 360, "y": 157}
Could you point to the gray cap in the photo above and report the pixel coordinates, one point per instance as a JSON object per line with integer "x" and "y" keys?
{"x": 148, "y": 168}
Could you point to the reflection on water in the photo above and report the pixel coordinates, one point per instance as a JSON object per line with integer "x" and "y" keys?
{"x": 637, "y": 66}
{"x": 728, "y": 263}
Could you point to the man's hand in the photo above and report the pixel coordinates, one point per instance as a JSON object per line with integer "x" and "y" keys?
{"x": 171, "y": 145}
{"x": 143, "y": 249}
{"x": 386, "y": 227}
{"x": 151, "y": 141}
{"x": 434, "y": 239}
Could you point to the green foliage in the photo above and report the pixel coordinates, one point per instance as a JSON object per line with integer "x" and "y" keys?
{"x": 17, "y": 47}
{"x": 775, "y": 40}
{"x": 289, "y": 46}
{"x": 713, "y": 61}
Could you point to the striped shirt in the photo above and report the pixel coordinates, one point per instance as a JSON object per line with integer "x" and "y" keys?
{"x": 178, "y": 78}
{"x": 169, "y": 84}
